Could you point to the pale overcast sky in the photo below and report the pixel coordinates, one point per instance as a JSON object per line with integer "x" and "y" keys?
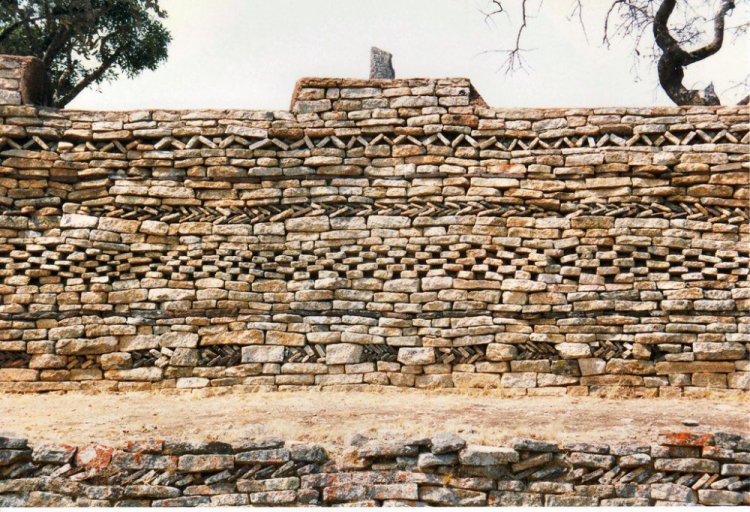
{"x": 249, "y": 53}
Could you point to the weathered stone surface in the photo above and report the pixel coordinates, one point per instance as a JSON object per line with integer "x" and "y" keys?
{"x": 416, "y": 356}
{"x": 272, "y": 484}
{"x": 570, "y": 501}
{"x": 8, "y": 457}
{"x": 135, "y": 374}
{"x": 590, "y": 460}
{"x": 501, "y": 352}
{"x": 514, "y": 499}
{"x": 273, "y": 456}
{"x": 452, "y": 497}
{"x": 431, "y": 460}
{"x": 718, "y": 351}
{"x": 393, "y": 217}
{"x": 736, "y": 469}
{"x": 53, "y": 453}
{"x": 573, "y": 350}
{"x": 477, "y": 475}
{"x": 374, "y": 450}
{"x": 475, "y": 455}
{"x": 79, "y": 346}
{"x": 687, "y": 465}
{"x": 673, "y": 492}
{"x": 519, "y": 380}
{"x": 75, "y": 221}
{"x": 720, "y": 497}
{"x": 535, "y": 445}
{"x": 380, "y": 64}
{"x": 262, "y": 354}
{"x": 344, "y": 353}
{"x": 446, "y": 442}
{"x": 94, "y": 456}
{"x": 202, "y": 463}
{"x": 199, "y": 448}
{"x": 142, "y": 461}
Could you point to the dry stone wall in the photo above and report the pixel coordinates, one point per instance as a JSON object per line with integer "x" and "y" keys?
{"x": 21, "y": 80}
{"x": 387, "y": 232}
{"x": 683, "y": 469}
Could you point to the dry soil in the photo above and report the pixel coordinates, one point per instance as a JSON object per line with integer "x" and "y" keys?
{"x": 331, "y": 418}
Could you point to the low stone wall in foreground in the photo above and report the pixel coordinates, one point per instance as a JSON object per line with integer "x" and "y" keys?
{"x": 683, "y": 469}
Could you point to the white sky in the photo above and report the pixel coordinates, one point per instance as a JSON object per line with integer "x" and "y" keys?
{"x": 249, "y": 53}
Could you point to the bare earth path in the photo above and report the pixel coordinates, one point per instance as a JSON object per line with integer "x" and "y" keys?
{"x": 332, "y": 417}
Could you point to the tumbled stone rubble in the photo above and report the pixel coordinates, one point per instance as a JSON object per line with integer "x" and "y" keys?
{"x": 387, "y": 232}
{"x": 443, "y": 470}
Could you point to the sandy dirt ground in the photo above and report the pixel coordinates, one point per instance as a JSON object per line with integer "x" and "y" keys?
{"x": 331, "y": 418}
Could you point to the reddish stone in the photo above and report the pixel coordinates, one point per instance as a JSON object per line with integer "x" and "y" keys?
{"x": 687, "y": 439}
{"x": 145, "y": 446}
{"x": 94, "y": 456}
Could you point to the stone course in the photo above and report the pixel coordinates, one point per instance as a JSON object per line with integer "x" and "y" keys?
{"x": 682, "y": 469}
{"x": 381, "y": 232}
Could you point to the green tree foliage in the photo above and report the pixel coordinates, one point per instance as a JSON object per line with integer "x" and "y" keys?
{"x": 84, "y": 42}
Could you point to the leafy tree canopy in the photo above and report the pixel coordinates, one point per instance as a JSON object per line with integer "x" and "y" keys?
{"x": 84, "y": 42}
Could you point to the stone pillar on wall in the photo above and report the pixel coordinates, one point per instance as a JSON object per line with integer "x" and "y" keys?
{"x": 21, "y": 80}
{"x": 381, "y": 65}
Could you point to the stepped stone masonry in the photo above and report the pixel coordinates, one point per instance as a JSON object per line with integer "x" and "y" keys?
{"x": 21, "y": 80}
{"x": 683, "y": 469}
{"x": 384, "y": 232}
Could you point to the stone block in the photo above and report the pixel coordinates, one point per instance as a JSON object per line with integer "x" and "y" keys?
{"x": 431, "y": 460}
{"x": 204, "y": 463}
{"x": 448, "y": 497}
{"x": 147, "y": 374}
{"x": 446, "y": 442}
{"x": 687, "y": 465}
{"x": 416, "y": 355}
{"x": 263, "y": 354}
{"x": 501, "y": 352}
{"x": 719, "y": 497}
{"x": 475, "y": 455}
{"x": 77, "y": 221}
{"x": 573, "y": 350}
{"x": 344, "y": 353}
{"x": 518, "y": 380}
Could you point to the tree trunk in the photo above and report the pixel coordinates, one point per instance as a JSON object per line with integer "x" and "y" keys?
{"x": 671, "y": 74}
{"x": 674, "y": 58}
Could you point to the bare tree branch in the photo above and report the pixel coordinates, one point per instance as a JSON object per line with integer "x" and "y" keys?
{"x": 718, "y": 40}
{"x": 513, "y": 57}
{"x": 677, "y": 27}
{"x": 497, "y": 9}
{"x": 578, "y": 11}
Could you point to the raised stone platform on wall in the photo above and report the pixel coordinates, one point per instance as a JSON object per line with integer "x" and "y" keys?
{"x": 682, "y": 469}
{"x": 384, "y": 232}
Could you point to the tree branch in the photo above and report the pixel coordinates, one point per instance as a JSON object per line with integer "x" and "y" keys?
{"x": 58, "y": 42}
{"x": 715, "y": 45}
{"x": 90, "y": 78}
{"x": 25, "y": 21}
{"x": 674, "y": 58}
{"x": 662, "y": 36}
{"x": 514, "y": 56}
{"x": 7, "y": 31}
